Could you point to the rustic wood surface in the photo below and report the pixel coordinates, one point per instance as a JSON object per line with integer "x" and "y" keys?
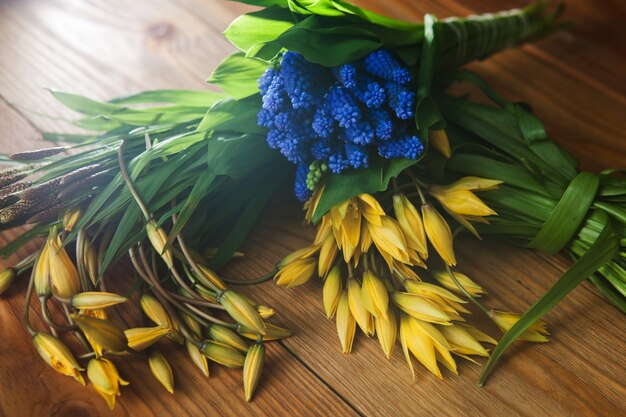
{"x": 576, "y": 83}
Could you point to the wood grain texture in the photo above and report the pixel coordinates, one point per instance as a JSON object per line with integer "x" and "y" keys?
{"x": 575, "y": 82}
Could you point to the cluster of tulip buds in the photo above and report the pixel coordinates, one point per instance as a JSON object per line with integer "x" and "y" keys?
{"x": 194, "y": 309}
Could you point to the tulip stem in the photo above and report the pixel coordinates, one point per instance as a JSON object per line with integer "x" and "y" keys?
{"x": 466, "y": 293}
{"x": 418, "y": 186}
{"x": 45, "y": 313}
{"x": 29, "y": 296}
{"x": 129, "y": 182}
{"x": 257, "y": 280}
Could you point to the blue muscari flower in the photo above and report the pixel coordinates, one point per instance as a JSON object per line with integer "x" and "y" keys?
{"x": 345, "y": 109}
{"x": 360, "y": 134}
{"x": 401, "y": 100}
{"x": 337, "y": 118}
{"x": 358, "y": 156}
{"x": 383, "y": 65}
{"x": 300, "y": 188}
{"x": 346, "y": 74}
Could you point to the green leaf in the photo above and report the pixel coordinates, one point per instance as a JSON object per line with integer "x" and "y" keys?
{"x": 238, "y": 75}
{"x": 259, "y": 27}
{"x": 192, "y": 98}
{"x": 369, "y": 180}
{"x": 237, "y": 157}
{"x": 602, "y": 251}
{"x": 234, "y": 115}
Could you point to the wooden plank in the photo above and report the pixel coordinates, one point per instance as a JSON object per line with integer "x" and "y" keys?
{"x": 104, "y": 50}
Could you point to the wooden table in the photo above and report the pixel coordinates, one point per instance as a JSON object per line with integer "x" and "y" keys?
{"x": 576, "y": 82}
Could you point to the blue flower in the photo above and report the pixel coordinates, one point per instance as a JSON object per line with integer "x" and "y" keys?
{"x": 344, "y": 108}
{"x": 300, "y": 188}
{"x": 382, "y": 64}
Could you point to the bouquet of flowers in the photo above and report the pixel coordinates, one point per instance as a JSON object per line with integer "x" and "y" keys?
{"x": 354, "y": 108}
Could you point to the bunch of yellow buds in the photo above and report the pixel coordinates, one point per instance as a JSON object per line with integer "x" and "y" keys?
{"x": 191, "y": 307}
{"x": 368, "y": 259}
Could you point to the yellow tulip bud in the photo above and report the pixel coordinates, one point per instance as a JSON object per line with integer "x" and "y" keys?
{"x": 374, "y": 294}
{"x": 461, "y": 202}
{"x": 96, "y": 300}
{"x": 90, "y": 260}
{"x": 439, "y": 140}
{"x": 273, "y": 332}
{"x": 140, "y": 338}
{"x": 387, "y": 329}
{"x": 70, "y": 218}
{"x": 332, "y": 291}
{"x": 104, "y": 333}
{"x": 228, "y": 337}
{"x": 470, "y": 286}
{"x": 357, "y": 307}
{"x": 346, "y": 325}
{"x": 462, "y": 341}
{"x": 328, "y": 253}
{"x": 198, "y": 358}
{"x": 537, "y": 332}
{"x": 302, "y": 253}
{"x": 158, "y": 239}
{"x": 473, "y": 184}
{"x": 252, "y": 369}
{"x": 192, "y": 324}
{"x": 297, "y": 272}
{"x": 390, "y": 241}
{"x": 242, "y": 311}
{"x": 411, "y": 224}
{"x": 58, "y": 356}
{"x": 105, "y": 379}
{"x": 209, "y": 277}
{"x": 155, "y": 310}
{"x": 438, "y": 233}
{"x": 161, "y": 370}
{"x": 42, "y": 273}
{"x": 222, "y": 354}
{"x": 419, "y": 307}
{"x": 63, "y": 274}
{"x": 6, "y": 279}
{"x": 264, "y": 311}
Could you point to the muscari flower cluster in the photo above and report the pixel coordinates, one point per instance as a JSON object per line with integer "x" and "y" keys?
{"x": 337, "y": 118}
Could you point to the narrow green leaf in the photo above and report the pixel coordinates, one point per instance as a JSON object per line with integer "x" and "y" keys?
{"x": 238, "y": 75}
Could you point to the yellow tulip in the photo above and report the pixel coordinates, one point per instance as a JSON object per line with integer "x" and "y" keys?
{"x": 228, "y": 337}
{"x": 242, "y": 311}
{"x": 389, "y": 241}
{"x": 162, "y": 370}
{"x": 158, "y": 239}
{"x": 105, "y": 379}
{"x": 438, "y": 233}
{"x": 420, "y": 308}
{"x": 332, "y": 291}
{"x": 140, "y": 338}
{"x": 252, "y": 369}
{"x": 6, "y": 279}
{"x": 386, "y": 330}
{"x": 357, "y": 307}
{"x": 297, "y": 272}
{"x": 439, "y": 140}
{"x": 96, "y": 300}
{"x": 70, "y": 218}
{"x": 63, "y": 274}
{"x": 537, "y": 332}
{"x": 328, "y": 253}
{"x": 411, "y": 224}
{"x": 42, "y": 272}
{"x": 222, "y": 354}
{"x": 103, "y": 334}
{"x": 470, "y": 286}
{"x": 58, "y": 356}
{"x": 346, "y": 325}
{"x": 374, "y": 294}
{"x": 198, "y": 358}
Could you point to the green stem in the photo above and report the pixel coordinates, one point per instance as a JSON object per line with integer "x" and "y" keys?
{"x": 466, "y": 293}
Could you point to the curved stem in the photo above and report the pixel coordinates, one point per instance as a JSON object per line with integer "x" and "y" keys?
{"x": 129, "y": 182}
{"x": 29, "y": 296}
{"x": 45, "y": 313}
{"x": 257, "y": 280}
{"x": 466, "y": 293}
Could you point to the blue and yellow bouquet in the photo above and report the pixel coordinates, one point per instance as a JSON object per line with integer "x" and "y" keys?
{"x": 353, "y": 109}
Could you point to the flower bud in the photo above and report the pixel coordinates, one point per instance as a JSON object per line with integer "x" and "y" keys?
{"x": 58, "y": 356}
{"x": 104, "y": 333}
{"x": 63, "y": 274}
{"x": 70, "y": 218}
{"x": 346, "y": 325}
{"x": 252, "y": 369}
{"x": 273, "y": 332}
{"x": 140, "y": 338}
{"x": 462, "y": 341}
{"x": 419, "y": 307}
{"x": 470, "y": 286}
{"x": 6, "y": 279}
{"x": 158, "y": 239}
{"x": 386, "y": 330}
{"x": 328, "y": 253}
{"x": 411, "y": 224}
{"x": 264, "y": 311}
{"x": 302, "y": 253}
{"x": 357, "y": 307}
{"x": 105, "y": 379}
{"x": 155, "y": 310}
{"x": 42, "y": 273}
{"x": 198, "y": 358}
{"x": 295, "y": 273}
{"x": 90, "y": 260}
{"x": 332, "y": 291}
{"x": 374, "y": 294}
{"x": 439, "y": 140}
{"x": 222, "y": 354}
{"x": 537, "y": 331}
{"x": 438, "y": 233}
{"x": 228, "y": 337}
{"x": 192, "y": 325}
{"x": 161, "y": 370}
{"x": 242, "y": 311}
{"x": 209, "y": 277}
{"x": 96, "y": 300}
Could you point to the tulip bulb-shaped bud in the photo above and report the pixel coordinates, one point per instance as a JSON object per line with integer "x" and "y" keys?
{"x": 155, "y": 310}
{"x": 70, "y": 218}
{"x": 63, "y": 274}
{"x": 386, "y": 330}
{"x": 161, "y": 370}
{"x": 42, "y": 273}
{"x": 419, "y": 307}
{"x": 198, "y": 358}
{"x": 332, "y": 291}
{"x": 374, "y": 294}
{"x": 328, "y": 253}
{"x": 58, "y": 356}
{"x": 96, "y": 300}
{"x": 222, "y": 354}
{"x": 346, "y": 325}
{"x": 90, "y": 259}
{"x": 439, "y": 140}
{"x": 209, "y": 277}
{"x": 105, "y": 379}
{"x": 104, "y": 333}
{"x": 192, "y": 325}
{"x": 537, "y": 332}
{"x": 462, "y": 341}
{"x": 252, "y": 369}
{"x": 158, "y": 239}
{"x": 242, "y": 311}
{"x": 444, "y": 278}
{"x": 264, "y": 311}
{"x": 297, "y": 272}
{"x": 438, "y": 233}
{"x": 357, "y": 307}
{"x": 411, "y": 224}
{"x": 6, "y": 279}
{"x": 274, "y": 332}
{"x": 140, "y": 338}
{"x": 227, "y": 336}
